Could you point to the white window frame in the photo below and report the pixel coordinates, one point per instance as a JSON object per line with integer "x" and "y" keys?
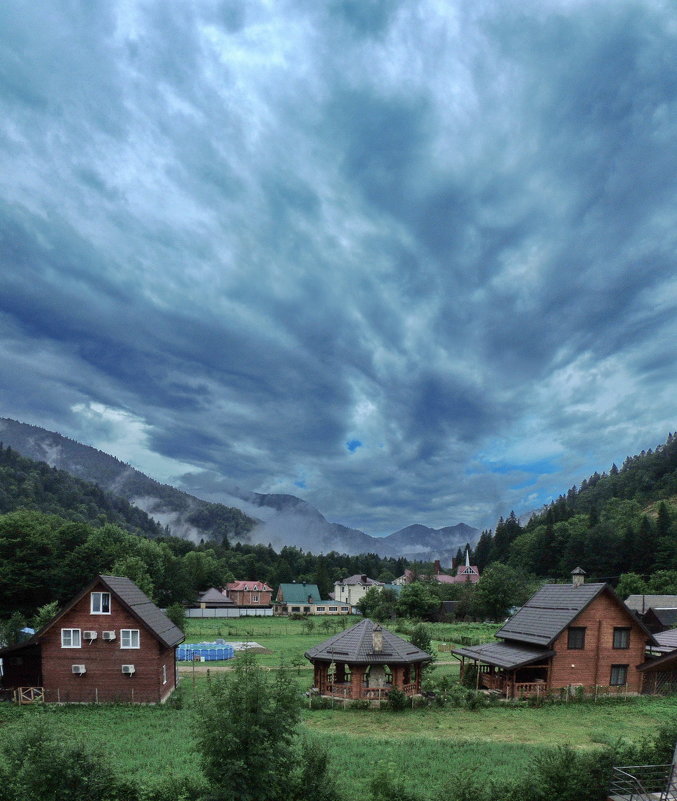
{"x": 70, "y": 643}
{"x": 128, "y": 635}
{"x": 164, "y": 674}
{"x": 99, "y": 596}
{"x": 255, "y": 599}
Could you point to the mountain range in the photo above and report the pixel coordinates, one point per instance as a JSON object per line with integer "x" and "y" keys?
{"x": 241, "y": 515}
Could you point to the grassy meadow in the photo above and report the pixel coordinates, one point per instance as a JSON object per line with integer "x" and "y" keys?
{"x": 431, "y": 747}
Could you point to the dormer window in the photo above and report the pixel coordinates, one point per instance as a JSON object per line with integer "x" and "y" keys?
{"x": 100, "y": 603}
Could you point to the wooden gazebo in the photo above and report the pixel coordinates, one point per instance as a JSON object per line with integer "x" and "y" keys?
{"x": 366, "y": 661}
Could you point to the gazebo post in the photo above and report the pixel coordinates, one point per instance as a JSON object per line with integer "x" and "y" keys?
{"x": 357, "y": 679}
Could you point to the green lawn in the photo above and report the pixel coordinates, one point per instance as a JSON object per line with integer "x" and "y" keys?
{"x": 433, "y": 747}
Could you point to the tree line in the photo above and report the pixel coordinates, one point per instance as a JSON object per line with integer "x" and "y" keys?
{"x": 623, "y": 521}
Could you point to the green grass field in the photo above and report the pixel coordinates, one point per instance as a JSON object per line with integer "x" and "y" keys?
{"x": 432, "y": 747}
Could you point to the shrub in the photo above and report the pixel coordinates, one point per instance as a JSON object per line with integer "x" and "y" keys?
{"x": 397, "y": 700}
{"x": 35, "y": 764}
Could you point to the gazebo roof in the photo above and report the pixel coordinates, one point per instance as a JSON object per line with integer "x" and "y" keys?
{"x": 356, "y": 646}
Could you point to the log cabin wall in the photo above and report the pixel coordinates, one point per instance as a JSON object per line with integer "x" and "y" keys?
{"x": 592, "y": 664}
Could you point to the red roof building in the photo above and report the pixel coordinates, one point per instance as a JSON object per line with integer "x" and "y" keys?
{"x": 110, "y": 643}
{"x": 250, "y": 593}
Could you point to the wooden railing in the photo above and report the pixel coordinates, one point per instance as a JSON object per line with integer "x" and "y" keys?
{"x": 522, "y": 688}
{"x": 29, "y": 695}
{"x": 339, "y": 690}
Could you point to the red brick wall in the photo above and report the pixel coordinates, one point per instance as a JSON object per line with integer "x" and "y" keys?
{"x": 245, "y": 597}
{"x": 592, "y": 665}
{"x": 104, "y": 680}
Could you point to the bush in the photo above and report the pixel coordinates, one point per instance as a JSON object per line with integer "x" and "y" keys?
{"x": 397, "y": 700}
{"x": 34, "y": 764}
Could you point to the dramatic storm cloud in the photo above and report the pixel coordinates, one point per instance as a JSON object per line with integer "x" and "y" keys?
{"x": 411, "y": 261}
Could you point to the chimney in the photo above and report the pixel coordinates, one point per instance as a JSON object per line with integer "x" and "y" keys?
{"x": 438, "y": 567}
{"x": 577, "y": 576}
{"x": 363, "y": 579}
{"x": 377, "y": 639}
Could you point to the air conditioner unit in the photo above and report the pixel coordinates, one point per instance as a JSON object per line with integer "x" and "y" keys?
{"x": 89, "y": 635}
{"x": 128, "y": 670}
{"x": 78, "y": 669}
{"x": 107, "y": 635}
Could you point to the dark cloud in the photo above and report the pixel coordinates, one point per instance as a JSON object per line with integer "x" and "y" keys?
{"x": 413, "y": 262}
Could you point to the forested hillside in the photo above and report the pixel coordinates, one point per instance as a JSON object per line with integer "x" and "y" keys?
{"x": 185, "y": 514}
{"x": 46, "y": 557}
{"x": 623, "y": 521}
{"x": 27, "y": 484}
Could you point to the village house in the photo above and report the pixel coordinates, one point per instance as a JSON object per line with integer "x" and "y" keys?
{"x": 366, "y": 661}
{"x": 352, "y": 589}
{"x": 657, "y": 612}
{"x": 249, "y": 593}
{"x": 305, "y": 599}
{"x": 214, "y": 598}
{"x": 464, "y": 574}
{"x": 109, "y": 643}
{"x": 566, "y": 635}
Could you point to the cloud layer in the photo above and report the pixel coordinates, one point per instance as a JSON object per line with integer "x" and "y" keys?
{"x": 412, "y": 261}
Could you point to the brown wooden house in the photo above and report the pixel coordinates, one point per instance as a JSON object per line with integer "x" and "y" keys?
{"x": 110, "y": 643}
{"x": 565, "y": 636}
{"x": 366, "y": 661}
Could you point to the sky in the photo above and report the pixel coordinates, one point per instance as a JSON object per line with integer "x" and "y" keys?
{"x": 412, "y": 261}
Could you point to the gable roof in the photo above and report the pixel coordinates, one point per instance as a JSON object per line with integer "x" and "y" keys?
{"x": 256, "y": 586}
{"x": 551, "y": 609}
{"x": 141, "y": 606}
{"x": 360, "y": 579}
{"x": 214, "y": 596}
{"x": 298, "y": 593}
{"x": 355, "y": 646}
{"x": 135, "y": 601}
{"x": 641, "y": 603}
{"x": 666, "y": 617}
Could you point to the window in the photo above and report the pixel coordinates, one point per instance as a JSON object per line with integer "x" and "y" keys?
{"x": 319, "y": 608}
{"x": 70, "y": 638}
{"x": 255, "y": 599}
{"x": 296, "y": 609}
{"x": 621, "y": 637}
{"x": 129, "y": 638}
{"x": 332, "y": 609}
{"x": 619, "y": 675}
{"x": 164, "y": 674}
{"x": 576, "y": 638}
{"x": 100, "y": 603}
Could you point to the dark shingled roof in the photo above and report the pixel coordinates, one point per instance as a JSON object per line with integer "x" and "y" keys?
{"x": 214, "y": 596}
{"x": 504, "y": 654}
{"x": 666, "y": 617}
{"x": 355, "y": 645}
{"x": 641, "y": 603}
{"x": 548, "y": 612}
{"x": 140, "y": 605}
{"x": 137, "y": 602}
{"x": 667, "y": 641}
